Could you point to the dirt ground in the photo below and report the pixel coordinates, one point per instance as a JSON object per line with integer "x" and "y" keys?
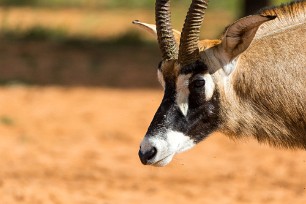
{"x": 79, "y": 145}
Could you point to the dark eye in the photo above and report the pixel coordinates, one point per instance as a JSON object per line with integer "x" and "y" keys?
{"x": 199, "y": 83}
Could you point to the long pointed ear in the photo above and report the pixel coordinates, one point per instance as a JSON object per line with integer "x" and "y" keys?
{"x": 240, "y": 34}
{"x": 151, "y": 28}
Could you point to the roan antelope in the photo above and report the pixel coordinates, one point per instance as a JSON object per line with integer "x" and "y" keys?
{"x": 250, "y": 83}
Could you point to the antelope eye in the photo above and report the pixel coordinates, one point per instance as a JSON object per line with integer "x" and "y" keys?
{"x": 198, "y": 83}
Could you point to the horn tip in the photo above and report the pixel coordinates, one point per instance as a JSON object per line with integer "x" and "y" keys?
{"x": 135, "y": 21}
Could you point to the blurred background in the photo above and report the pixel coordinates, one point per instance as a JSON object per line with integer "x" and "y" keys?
{"x": 78, "y": 90}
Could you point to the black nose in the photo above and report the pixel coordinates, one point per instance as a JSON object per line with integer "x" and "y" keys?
{"x": 144, "y": 158}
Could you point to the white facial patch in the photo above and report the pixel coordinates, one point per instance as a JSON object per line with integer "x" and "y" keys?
{"x": 209, "y": 86}
{"x": 160, "y": 78}
{"x": 167, "y": 146}
{"x": 178, "y": 141}
{"x": 182, "y": 92}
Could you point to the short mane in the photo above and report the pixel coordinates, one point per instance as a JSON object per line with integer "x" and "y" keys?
{"x": 288, "y": 16}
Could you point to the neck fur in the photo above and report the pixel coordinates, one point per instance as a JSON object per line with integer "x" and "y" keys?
{"x": 289, "y": 16}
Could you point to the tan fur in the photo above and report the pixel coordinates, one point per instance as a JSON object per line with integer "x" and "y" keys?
{"x": 205, "y": 44}
{"x": 265, "y": 96}
{"x": 259, "y": 69}
{"x": 290, "y": 15}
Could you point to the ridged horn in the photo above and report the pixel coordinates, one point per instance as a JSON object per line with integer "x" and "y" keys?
{"x": 189, "y": 51}
{"x": 165, "y": 35}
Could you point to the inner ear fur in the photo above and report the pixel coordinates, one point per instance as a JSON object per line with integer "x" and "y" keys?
{"x": 151, "y": 28}
{"x": 238, "y": 36}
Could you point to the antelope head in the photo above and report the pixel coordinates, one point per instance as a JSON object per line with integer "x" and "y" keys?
{"x": 190, "y": 108}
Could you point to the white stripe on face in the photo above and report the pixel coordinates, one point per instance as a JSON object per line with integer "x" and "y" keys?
{"x": 209, "y": 86}
{"x": 182, "y": 92}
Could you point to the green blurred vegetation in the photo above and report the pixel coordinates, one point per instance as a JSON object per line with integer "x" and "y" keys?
{"x": 60, "y": 35}
{"x": 6, "y": 120}
{"x": 87, "y": 3}
{"x": 79, "y": 3}
{"x": 33, "y": 33}
{"x": 233, "y": 5}
{"x": 221, "y": 4}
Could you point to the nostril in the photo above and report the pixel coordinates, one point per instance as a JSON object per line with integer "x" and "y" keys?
{"x": 152, "y": 153}
{"x": 145, "y": 157}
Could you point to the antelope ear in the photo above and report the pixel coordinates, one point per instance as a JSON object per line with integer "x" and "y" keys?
{"x": 239, "y": 35}
{"x": 151, "y": 28}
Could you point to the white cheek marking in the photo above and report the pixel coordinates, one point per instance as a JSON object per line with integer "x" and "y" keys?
{"x": 160, "y": 78}
{"x": 178, "y": 141}
{"x": 182, "y": 92}
{"x": 209, "y": 86}
{"x": 167, "y": 146}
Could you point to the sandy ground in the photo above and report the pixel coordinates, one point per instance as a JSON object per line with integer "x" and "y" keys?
{"x": 79, "y": 145}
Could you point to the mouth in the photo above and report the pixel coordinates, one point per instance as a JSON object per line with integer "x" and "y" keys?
{"x": 163, "y": 162}
{"x": 166, "y": 145}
